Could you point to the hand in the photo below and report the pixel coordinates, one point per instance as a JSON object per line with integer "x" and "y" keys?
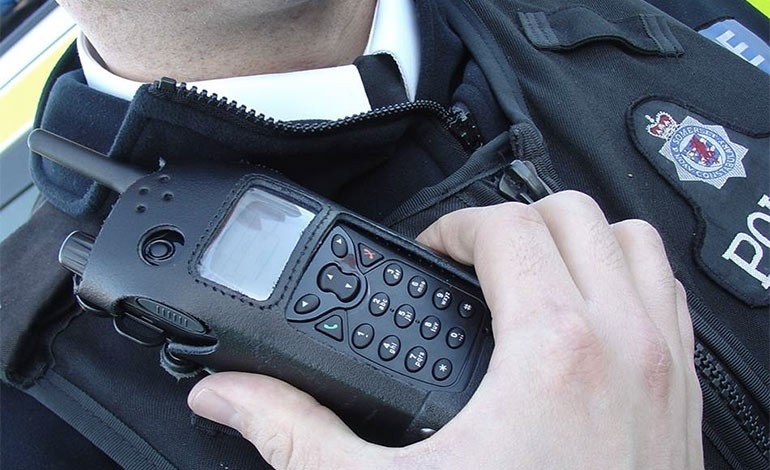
{"x": 592, "y": 366}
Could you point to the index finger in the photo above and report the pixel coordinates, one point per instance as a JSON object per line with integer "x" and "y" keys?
{"x": 521, "y": 272}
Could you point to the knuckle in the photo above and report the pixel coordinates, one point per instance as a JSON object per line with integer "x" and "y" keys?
{"x": 647, "y": 240}
{"x": 644, "y": 232}
{"x": 513, "y": 213}
{"x": 579, "y": 201}
{"x": 657, "y": 365}
{"x": 579, "y": 350}
{"x": 604, "y": 242}
{"x": 577, "y": 336}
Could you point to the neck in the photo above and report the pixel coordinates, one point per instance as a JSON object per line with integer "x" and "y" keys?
{"x": 143, "y": 40}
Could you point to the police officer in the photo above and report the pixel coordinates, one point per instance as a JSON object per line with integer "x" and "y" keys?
{"x": 572, "y": 382}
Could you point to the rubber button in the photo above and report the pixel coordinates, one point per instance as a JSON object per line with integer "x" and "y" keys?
{"x": 379, "y": 304}
{"x": 430, "y": 327}
{"x": 307, "y": 304}
{"x": 160, "y": 250}
{"x": 404, "y": 316}
{"x": 389, "y": 347}
{"x": 331, "y": 327}
{"x": 363, "y": 335}
{"x": 344, "y": 286}
{"x": 442, "y": 298}
{"x": 466, "y": 309}
{"x": 442, "y": 369}
{"x": 393, "y": 273}
{"x": 455, "y": 338}
{"x": 417, "y": 286}
{"x": 368, "y": 255}
{"x": 415, "y": 359}
{"x": 339, "y": 246}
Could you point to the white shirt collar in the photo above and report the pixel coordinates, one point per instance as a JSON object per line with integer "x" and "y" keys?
{"x": 329, "y": 93}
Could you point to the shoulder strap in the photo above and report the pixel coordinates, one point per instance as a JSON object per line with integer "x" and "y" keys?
{"x": 96, "y": 423}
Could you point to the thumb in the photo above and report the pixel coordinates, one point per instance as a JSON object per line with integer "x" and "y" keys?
{"x": 288, "y": 427}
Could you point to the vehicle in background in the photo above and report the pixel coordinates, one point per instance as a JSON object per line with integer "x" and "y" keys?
{"x": 33, "y": 36}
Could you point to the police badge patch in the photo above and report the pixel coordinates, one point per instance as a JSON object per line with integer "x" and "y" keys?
{"x": 721, "y": 167}
{"x": 699, "y": 152}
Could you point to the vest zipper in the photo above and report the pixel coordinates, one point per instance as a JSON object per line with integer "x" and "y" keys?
{"x": 458, "y": 123}
{"x": 520, "y": 182}
{"x": 714, "y": 374}
{"x": 738, "y": 384}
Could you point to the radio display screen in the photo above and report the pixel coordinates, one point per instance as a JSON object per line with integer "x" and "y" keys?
{"x": 253, "y": 245}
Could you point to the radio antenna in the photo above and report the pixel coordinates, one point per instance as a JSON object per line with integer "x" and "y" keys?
{"x": 83, "y": 160}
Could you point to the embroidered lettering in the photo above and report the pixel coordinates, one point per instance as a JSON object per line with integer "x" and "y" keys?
{"x": 744, "y": 244}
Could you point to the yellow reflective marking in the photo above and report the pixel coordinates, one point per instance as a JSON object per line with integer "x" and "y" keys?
{"x": 18, "y": 100}
{"x": 761, "y": 5}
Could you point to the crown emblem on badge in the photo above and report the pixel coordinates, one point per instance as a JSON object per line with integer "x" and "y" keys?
{"x": 663, "y": 126}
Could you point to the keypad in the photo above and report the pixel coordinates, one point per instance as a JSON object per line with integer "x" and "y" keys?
{"x": 393, "y": 274}
{"x": 379, "y": 303}
{"x": 404, "y": 316}
{"x": 307, "y": 304}
{"x": 466, "y": 309}
{"x": 430, "y": 327}
{"x": 442, "y": 299}
{"x": 417, "y": 286}
{"x": 415, "y": 359}
{"x": 386, "y": 309}
{"x": 442, "y": 369}
{"x": 363, "y": 336}
{"x": 344, "y": 286}
{"x": 389, "y": 347}
{"x": 455, "y": 338}
{"x": 339, "y": 246}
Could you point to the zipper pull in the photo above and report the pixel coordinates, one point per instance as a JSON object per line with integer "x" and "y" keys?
{"x": 520, "y": 182}
{"x": 462, "y": 125}
{"x": 166, "y": 85}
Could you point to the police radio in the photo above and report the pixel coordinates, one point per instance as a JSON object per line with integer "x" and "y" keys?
{"x": 236, "y": 268}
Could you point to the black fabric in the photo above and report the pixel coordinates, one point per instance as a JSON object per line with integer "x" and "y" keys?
{"x": 32, "y": 437}
{"x": 573, "y": 27}
{"x": 382, "y": 79}
{"x": 37, "y": 306}
{"x": 97, "y": 423}
{"x": 97, "y": 128}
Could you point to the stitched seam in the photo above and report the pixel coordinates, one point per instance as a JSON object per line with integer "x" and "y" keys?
{"x": 660, "y": 28}
{"x": 648, "y": 27}
{"x": 676, "y": 46}
{"x": 244, "y": 183}
{"x": 504, "y": 68}
{"x": 542, "y": 21}
{"x": 538, "y": 29}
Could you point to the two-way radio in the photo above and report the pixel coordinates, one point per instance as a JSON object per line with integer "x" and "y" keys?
{"x": 230, "y": 267}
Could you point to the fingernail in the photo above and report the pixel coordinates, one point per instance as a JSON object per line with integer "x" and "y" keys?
{"x": 211, "y": 405}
